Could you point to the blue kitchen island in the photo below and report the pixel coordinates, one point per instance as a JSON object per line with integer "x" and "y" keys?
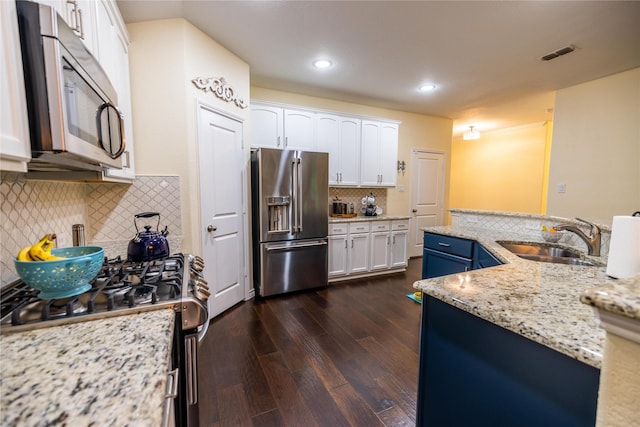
{"x": 510, "y": 344}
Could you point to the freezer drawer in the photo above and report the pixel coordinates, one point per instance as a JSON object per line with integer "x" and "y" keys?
{"x": 292, "y": 266}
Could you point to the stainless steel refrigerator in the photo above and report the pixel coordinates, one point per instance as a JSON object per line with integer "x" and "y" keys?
{"x": 289, "y": 192}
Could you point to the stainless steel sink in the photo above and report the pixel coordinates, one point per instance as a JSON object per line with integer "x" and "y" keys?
{"x": 544, "y": 252}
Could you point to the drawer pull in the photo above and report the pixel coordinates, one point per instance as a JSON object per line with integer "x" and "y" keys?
{"x": 446, "y": 245}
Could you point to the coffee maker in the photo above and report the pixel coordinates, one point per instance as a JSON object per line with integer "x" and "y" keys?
{"x": 369, "y": 207}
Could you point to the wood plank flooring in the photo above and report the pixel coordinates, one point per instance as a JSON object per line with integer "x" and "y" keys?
{"x": 344, "y": 355}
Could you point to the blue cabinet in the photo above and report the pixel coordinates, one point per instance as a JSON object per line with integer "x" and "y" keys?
{"x": 475, "y": 373}
{"x": 449, "y": 255}
{"x": 482, "y": 258}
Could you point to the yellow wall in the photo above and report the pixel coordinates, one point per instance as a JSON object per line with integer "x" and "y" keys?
{"x": 416, "y": 131}
{"x": 596, "y": 149}
{"x": 501, "y": 171}
{"x": 165, "y": 56}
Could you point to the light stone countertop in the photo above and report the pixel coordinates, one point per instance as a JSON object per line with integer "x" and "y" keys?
{"x": 538, "y": 300}
{"x": 108, "y": 372}
{"x": 334, "y": 220}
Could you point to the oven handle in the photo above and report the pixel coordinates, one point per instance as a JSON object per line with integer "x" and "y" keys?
{"x": 170, "y": 396}
{"x": 191, "y": 359}
{"x": 203, "y": 330}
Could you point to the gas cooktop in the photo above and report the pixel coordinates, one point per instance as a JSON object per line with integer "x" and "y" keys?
{"x": 122, "y": 287}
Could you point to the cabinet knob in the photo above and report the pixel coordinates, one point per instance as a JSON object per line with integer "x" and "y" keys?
{"x": 211, "y": 228}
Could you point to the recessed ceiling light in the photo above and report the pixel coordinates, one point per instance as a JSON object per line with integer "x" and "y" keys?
{"x": 322, "y": 63}
{"x": 427, "y": 87}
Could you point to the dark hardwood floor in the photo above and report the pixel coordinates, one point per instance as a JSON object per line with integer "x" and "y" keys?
{"x": 344, "y": 355}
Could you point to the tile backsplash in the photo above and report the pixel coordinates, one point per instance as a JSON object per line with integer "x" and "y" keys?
{"x": 355, "y": 195}
{"x": 30, "y": 209}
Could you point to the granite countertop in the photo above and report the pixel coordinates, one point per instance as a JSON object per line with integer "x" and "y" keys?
{"x": 334, "y": 220}
{"x": 540, "y": 301}
{"x": 108, "y": 372}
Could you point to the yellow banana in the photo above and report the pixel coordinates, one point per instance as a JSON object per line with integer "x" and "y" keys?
{"x": 41, "y": 251}
{"x": 23, "y": 255}
{"x": 47, "y": 248}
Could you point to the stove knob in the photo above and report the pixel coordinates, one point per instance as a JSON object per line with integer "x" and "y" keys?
{"x": 197, "y": 263}
{"x": 202, "y": 284}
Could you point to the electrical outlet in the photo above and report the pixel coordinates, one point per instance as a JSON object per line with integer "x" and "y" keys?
{"x": 531, "y": 225}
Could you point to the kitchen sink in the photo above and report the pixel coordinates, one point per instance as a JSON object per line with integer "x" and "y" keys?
{"x": 543, "y": 252}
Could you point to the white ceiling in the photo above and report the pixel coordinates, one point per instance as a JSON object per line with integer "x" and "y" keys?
{"x": 484, "y": 56}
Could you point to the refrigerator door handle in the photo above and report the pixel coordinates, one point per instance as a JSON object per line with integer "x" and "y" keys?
{"x": 294, "y": 198}
{"x": 299, "y": 195}
{"x": 289, "y": 247}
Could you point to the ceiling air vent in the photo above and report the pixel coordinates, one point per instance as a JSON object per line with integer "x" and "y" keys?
{"x": 559, "y": 52}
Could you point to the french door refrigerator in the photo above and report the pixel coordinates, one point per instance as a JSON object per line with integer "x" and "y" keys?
{"x": 289, "y": 192}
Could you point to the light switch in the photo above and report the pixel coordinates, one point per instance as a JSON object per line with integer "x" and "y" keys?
{"x": 562, "y": 188}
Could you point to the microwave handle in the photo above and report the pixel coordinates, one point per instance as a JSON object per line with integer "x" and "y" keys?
{"x": 123, "y": 146}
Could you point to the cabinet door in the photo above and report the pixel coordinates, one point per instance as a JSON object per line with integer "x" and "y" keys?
{"x": 338, "y": 255}
{"x": 107, "y": 50}
{"x": 380, "y": 246}
{"x": 299, "y": 130}
{"x": 436, "y": 264}
{"x": 369, "y": 154}
{"x": 388, "y": 154}
{"x": 358, "y": 253}
{"x": 349, "y": 151}
{"x": 328, "y": 140}
{"x": 15, "y": 145}
{"x": 399, "y": 249}
{"x": 121, "y": 84}
{"x": 266, "y": 126}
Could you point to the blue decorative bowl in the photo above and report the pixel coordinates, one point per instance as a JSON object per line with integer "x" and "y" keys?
{"x": 66, "y": 277}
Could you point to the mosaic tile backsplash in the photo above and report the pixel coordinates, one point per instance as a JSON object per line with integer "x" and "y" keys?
{"x": 355, "y": 195}
{"x": 30, "y": 209}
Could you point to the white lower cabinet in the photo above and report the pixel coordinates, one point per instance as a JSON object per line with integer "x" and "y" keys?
{"x": 380, "y": 245}
{"x": 358, "y": 252}
{"x": 362, "y": 248}
{"x": 399, "y": 240}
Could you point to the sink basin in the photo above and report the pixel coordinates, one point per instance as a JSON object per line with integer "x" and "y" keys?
{"x": 543, "y": 252}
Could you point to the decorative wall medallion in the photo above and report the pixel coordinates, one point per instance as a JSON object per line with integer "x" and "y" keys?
{"x": 220, "y": 88}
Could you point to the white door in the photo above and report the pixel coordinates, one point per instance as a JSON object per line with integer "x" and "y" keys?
{"x": 427, "y": 195}
{"x": 222, "y": 184}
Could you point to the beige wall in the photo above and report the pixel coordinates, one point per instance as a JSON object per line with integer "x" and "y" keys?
{"x": 165, "y": 56}
{"x": 596, "y": 149}
{"x": 502, "y": 171}
{"x": 416, "y": 131}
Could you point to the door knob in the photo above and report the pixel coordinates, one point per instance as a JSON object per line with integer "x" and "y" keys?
{"x": 211, "y": 228}
{"x": 414, "y": 210}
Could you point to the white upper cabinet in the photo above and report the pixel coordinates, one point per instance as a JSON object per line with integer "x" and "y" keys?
{"x": 120, "y": 80}
{"x": 15, "y": 146}
{"x": 378, "y": 154}
{"x": 80, "y": 16}
{"x": 267, "y": 126}
{"x": 299, "y": 130}
{"x": 362, "y": 153}
{"x": 284, "y": 128}
{"x": 340, "y": 137}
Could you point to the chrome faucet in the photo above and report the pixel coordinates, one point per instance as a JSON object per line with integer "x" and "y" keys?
{"x": 593, "y": 240}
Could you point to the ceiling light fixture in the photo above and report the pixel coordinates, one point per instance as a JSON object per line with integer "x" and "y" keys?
{"x": 427, "y": 88}
{"x": 322, "y": 63}
{"x": 472, "y": 133}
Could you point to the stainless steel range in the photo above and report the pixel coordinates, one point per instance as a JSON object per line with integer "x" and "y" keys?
{"x": 125, "y": 287}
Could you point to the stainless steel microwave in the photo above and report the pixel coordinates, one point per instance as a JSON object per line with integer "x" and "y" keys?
{"x": 74, "y": 121}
